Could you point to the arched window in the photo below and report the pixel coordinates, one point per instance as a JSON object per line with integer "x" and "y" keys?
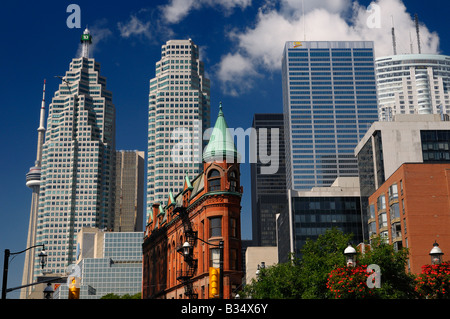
{"x": 213, "y": 180}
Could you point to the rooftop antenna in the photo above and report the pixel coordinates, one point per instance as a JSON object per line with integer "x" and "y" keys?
{"x": 86, "y": 41}
{"x": 416, "y": 18}
{"x": 41, "y": 129}
{"x": 410, "y": 43}
{"x": 394, "y": 44}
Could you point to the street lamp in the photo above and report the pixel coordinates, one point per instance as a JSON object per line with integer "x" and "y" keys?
{"x": 48, "y": 291}
{"x": 436, "y": 254}
{"x": 42, "y": 256}
{"x": 350, "y": 255}
{"x": 259, "y": 267}
{"x": 186, "y": 252}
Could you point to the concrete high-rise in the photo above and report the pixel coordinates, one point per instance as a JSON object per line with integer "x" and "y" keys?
{"x": 329, "y": 102}
{"x": 77, "y": 169}
{"x": 179, "y": 111}
{"x": 33, "y": 181}
{"x": 409, "y": 138}
{"x": 129, "y": 206}
{"x": 413, "y": 84}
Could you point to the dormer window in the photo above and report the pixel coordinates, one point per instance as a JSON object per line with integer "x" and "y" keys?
{"x": 213, "y": 181}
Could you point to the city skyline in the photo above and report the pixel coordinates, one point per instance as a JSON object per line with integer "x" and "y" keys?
{"x": 127, "y": 49}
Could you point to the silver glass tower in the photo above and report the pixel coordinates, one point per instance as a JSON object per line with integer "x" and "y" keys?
{"x": 179, "y": 111}
{"x": 77, "y": 169}
{"x": 329, "y": 102}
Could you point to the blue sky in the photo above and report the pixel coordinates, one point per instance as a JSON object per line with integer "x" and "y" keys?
{"x": 241, "y": 42}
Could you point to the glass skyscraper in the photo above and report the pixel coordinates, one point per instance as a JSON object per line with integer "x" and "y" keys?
{"x": 110, "y": 262}
{"x": 269, "y": 195}
{"x": 179, "y": 111}
{"x": 329, "y": 102}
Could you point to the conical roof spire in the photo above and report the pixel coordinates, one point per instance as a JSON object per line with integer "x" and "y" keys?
{"x": 221, "y": 143}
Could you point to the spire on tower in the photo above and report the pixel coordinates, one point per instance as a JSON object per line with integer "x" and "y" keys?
{"x": 86, "y": 41}
{"x": 42, "y": 117}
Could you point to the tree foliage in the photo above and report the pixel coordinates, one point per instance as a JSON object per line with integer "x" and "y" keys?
{"x": 396, "y": 283}
{"x": 281, "y": 281}
{"x": 349, "y": 283}
{"x": 308, "y": 277}
{"x": 126, "y": 296}
{"x": 434, "y": 281}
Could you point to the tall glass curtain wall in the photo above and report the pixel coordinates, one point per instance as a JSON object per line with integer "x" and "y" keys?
{"x": 329, "y": 101}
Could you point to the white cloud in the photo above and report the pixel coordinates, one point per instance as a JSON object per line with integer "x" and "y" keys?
{"x": 177, "y": 10}
{"x": 134, "y": 27}
{"x": 261, "y": 46}
{"x": 235, "y": 68}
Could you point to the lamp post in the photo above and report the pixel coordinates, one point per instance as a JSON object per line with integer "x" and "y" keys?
{"x": 48, "y": 291}
{"x": 187, "y": 250}
{"x": 42, "y": 256}
{"x": 350, "y": 255}
{"x": 436, "y": 254}
{"x": 258, "y": 269}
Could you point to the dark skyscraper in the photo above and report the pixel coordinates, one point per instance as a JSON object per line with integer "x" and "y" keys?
{"x": 269, "y": 196}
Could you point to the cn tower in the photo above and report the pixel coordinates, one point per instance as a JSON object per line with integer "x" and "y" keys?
{"x": 33, "y": 181}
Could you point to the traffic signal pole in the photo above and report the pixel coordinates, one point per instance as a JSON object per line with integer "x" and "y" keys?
{"x": 221, "y": 270}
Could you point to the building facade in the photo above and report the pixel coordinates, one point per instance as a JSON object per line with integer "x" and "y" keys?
{"x": 109, "y": 263}
{"x": 329, "y": 102}
{"x": 204, "y": 214}
{"x": 409, "y": 138}
{"x": 77, "y": 169}
{"x": 411, "y": 209}
{"x": 179, "y": 111}
{"x": 413, "y": 84}
{"x": 311, "y": 213}
{"x": 129, "y": 198}
{"x": 269, "y": 194}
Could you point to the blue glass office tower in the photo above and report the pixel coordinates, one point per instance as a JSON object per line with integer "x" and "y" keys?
{"x": 329, "y": 102}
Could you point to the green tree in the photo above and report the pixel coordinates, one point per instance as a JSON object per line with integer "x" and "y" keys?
{"x": 349, "y": 283}
{"x": 279, "y": 281}
{"x": 396, "y": 283}
{"x": 126, "y": 296}
{"x": 434, "y": 281}
{"x": 302, "y": 279}
{"x": 319, "y": 258}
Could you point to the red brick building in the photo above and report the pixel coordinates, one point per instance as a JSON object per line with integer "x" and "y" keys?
{"x": 205, "y": 213}
{"x": 412, "y": 209}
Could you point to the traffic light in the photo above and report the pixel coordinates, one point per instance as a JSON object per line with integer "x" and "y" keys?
{"x": 214, "y": 277}
{"x": 74, "y": 288}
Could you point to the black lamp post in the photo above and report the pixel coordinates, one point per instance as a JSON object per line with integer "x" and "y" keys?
{"x": 258, "y": 269}
{"x": 42, "y": 255}
{"x": 187, "y": 250}
{"x": 436, "y": 254}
